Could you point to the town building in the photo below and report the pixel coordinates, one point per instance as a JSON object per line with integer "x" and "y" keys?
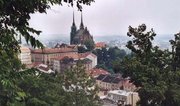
{"x": 87, "y": 63}
{"x": 80, "y": 36}
{"x": 114, "y": 82}
{"x": 90, "y": 56}
{"x": 25, "y": 55}
{"x": 100, "y": 45}
{"x": 54, "y": 57}
{"x": 47, "y": 55}
{"x": 44, "y": 68}
{"x": 62, "y": 64}
{"x": 122, "y": 98}
{"x": 95, "y": 72}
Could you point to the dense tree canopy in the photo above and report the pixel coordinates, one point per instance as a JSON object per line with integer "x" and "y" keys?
{"x": 107, "y": 57}
{"x": 89, "y": 45}
{"x": 153, "y": 70}
{"x": 14, "y": 22}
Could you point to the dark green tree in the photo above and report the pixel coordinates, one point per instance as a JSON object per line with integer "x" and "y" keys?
{"x": 176, "y": 51}
{"x": 107, "y": 57}
{"x": 82, "y": 49}
{"x": 14, "y": 22}
{"x": 151, "y": 69}
{"x": 89, "y": 44}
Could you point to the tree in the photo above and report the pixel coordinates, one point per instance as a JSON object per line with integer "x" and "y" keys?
{"x": 89, "y": 44}
{"x": 8, "y": 78}
{"x": 14, "y": 22}
{"x": 176, "y": 51}
{"x": 82, "y": 49}
{"x": 80, "y": 87}
{"x": 115, "y": 52}
{"x": 107, "y": 57}
{"x": 74, "y": 88}
{"x": 151, "y": 69}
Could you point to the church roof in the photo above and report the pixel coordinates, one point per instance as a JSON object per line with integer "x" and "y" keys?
{"x": 82, "y": 32}
{"x": 53, "y": 50}
{"x": 79, "y": 32}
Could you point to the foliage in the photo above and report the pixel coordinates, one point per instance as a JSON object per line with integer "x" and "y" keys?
{"x": 8, "y": 78}
{"x": 14, "y": 22}
{"x": 74, "y": 88}
{"x": 89, "y": 45}
{"x": 81, "y": 87}
{"x": 176, "y": 51}
{"x": 141, "y": 44}
{"x": 152, "y": 69}
{"x": 107, "y": 57}
{"x": 82, "y": 49}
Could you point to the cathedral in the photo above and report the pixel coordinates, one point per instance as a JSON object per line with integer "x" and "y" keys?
{"x": 81, "y": 35}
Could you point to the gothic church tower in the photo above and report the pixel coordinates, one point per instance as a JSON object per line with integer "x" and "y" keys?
{"x": 81, "y": 25}
{"x": 80, "y": 36}
{"x": 73, "y": 31}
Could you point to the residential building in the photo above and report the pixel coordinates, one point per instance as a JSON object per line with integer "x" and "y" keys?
{"x": 100, "y": 45}
{"x": 44, "y": 68}
{"x": 47, "y": 55}
{"x": 90, "y": 56}
{"x": 62, "y": 64}
{"x": 123, "y": 97}
{"x": 25, "y": 55}
{"x": 114, "y": 82}
{"x": 87, "y": 63}
{"x": 95, "y": 72}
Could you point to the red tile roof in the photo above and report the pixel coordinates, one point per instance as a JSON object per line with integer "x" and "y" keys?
{"x": 74, "y": 56}
{"x": 54, "y": 50}
{"x": 100, "y": 44}
{"x": 96, "y": 72}
{"x": 84, "y": 55}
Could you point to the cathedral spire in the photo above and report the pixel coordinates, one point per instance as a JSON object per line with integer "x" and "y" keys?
{"x": 73, "y": 19}
{"x": 81, "y": 25}
{"x": 73, "y": 30}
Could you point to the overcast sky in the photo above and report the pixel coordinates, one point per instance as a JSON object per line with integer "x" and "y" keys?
{"x": 107, "y": 17}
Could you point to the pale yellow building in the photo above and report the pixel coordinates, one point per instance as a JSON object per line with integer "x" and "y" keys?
{"x": 123, "y": 97}
{"x": 25, "y": 55}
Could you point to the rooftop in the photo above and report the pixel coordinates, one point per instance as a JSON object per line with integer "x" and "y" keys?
{"x": 44, "y": 68}
{"x": 101, "y": 44}
{"x": 84, "y": 55}
{"x": 101, "y": 77}
{"x": 121, "y": 92}
{"x": 109, "y": 78}
{"x": 58, "y": 49}
{"x": 117, "y": 80}
{"x": 96, "y": 72}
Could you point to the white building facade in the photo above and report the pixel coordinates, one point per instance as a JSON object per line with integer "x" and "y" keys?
{"x": 123, "y": 97}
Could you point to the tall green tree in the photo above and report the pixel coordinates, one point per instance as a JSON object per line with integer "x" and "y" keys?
{"x": 80, "y": 87}
{"x": 176, "y": 51}
{"x": 89, "y": 44}
{"x": 107, "y": 57}
{"x": 14, "y": 22}
{"x": 152, "y": 69}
